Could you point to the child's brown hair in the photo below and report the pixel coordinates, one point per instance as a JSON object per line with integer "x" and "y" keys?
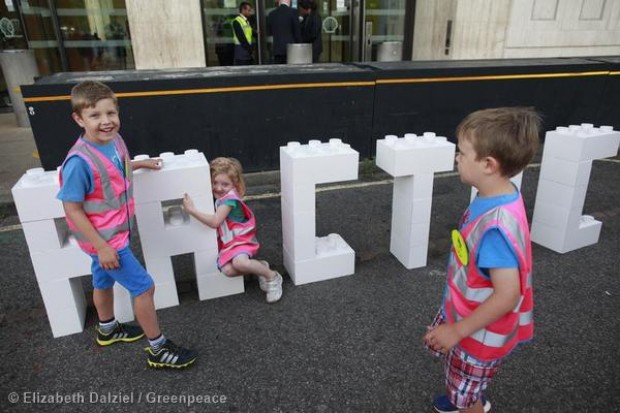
{"x": 86, "y": 94}
{"x": 508, "y": 134}
{"x": 232, "y": 168}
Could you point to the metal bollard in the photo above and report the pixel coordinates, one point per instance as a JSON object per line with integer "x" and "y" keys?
{"x": 390, "y": 52}
{"x": 298, "y": 53}
{"x": 19, "y": 68}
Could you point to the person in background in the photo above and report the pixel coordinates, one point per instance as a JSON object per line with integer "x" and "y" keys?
{"x": 243, "y": 35}
{"x": 311, "y": 26}
{"x": 283, "y": 25}
{"x": 225, "y": 47}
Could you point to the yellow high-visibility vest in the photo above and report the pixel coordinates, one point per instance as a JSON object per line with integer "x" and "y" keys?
{"x": 247, "y": 30}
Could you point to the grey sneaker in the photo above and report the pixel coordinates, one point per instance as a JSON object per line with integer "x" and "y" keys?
{"x": 261, "y": 280}
{"x": 273, "y": 289}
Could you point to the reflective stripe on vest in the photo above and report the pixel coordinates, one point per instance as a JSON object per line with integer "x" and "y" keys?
{"x": 109, "y": 207}
{"x": 468, "y": 288}
{"x": 247, "y": 30}
{"x": 231, "y": 233}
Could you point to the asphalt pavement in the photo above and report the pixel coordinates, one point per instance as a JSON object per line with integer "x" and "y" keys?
{"x": 352, "y": 344}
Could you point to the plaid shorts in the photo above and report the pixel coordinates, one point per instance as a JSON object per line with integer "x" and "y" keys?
{"x": 466, "y": 377}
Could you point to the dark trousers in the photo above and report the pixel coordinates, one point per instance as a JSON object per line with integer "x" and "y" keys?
{"x": 279, "y": 60}
{"x": 243, "y": 62}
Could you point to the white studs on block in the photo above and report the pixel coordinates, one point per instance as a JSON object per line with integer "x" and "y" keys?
{"x": 306, "y": 257}
{"x": 558, "y": 223}
{"x": 412, "y": 160}
{"x": 167, "y": 230}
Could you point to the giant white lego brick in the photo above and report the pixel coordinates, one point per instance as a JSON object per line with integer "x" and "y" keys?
{"x": 298, "y": 197}
{"x": 571, "y": 197}
{"x": 565, "y": 172}
{"x": 408, "y": 188}
{"x": 160, "y": 268}
{"x": 556, "y": 216}
{"x": 66, "y": 321}
{"x": 45, "y": 235}
{"x": 567, "y": 239}
{"x": 171, "y": 231}
{"x": 415, "y": 154}
{"x": 582, "y": 142}
{"x": 123, "y": 304}
{"x": 516, "y": 180}
{"x": 411, "y": 235}
{"x": 411, "y": 256}
{"x": 333, "y": 259}
{"x": 67, "y": 262}
{"x": 318, "y": 162}
{"x": 180, "y": 173}
{"x": 212, "y": 283}
{"x": 166, "y": 295}
{"x": 298, "y": 233}
{"x": 412, "y": 196}
{"x": 215, "y": 285}
{"x": 35, "y": 196}
{"x": 205, "y": 261}
{"x": 418, "y": 211}
{"x": 62, "y": 293}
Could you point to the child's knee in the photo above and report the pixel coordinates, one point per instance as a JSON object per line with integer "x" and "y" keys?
{"x": 150, "y": 292}
{"x": 229, "y": 271}
{"x": 241, "y": 264}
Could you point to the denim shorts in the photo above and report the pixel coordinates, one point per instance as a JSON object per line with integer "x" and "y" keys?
{"x": 131, "y": 274}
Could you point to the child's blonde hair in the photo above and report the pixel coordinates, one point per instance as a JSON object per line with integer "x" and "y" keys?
{"x": 508, "y": 134}
{"x": 232, "y": 168}
{"x": 86, "y": 94}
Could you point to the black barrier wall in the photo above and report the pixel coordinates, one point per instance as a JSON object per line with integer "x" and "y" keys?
{"x": 249, "y": 112}
{"x": 435, "y": 96}
{"x": 245, "y": 112}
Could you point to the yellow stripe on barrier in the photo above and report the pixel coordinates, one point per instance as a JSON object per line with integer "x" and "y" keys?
{"x": 490, "y": 77}
{"x": 332, "y": 84}
{"x": 213, "y": 90}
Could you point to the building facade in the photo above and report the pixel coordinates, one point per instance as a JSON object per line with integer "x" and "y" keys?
{"x": 104, "y": 35}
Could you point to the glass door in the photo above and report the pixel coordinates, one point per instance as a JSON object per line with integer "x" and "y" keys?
{"x": 353, "y": 30}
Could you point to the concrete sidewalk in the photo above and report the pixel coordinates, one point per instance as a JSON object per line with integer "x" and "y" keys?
{"x": 351, "y": 344}
{"x": 18, "y": 153}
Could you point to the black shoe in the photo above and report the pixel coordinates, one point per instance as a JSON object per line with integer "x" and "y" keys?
{"x": 170, "y": 355}
{"x": 122, "y": 332}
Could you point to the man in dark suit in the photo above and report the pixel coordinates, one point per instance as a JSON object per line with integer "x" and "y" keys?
{"x": 283, "y": 25}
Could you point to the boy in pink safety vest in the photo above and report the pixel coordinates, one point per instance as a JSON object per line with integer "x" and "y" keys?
{"x": 96, "y": 193}
{"x": 488, "y": 302}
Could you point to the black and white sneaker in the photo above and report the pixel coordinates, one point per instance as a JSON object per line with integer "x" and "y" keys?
{"x": 122, "y": 333}
{"x": 170, "y": 355}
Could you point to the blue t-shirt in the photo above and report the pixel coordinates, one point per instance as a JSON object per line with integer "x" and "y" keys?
{"x": 77, "y": 177}
{"x": 495, "y": 251}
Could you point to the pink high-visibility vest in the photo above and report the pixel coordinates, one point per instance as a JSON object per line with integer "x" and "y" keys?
{"x": 110, "y": 206}
{"x": 468, "y": 288}
{"x": 236, "y": 238}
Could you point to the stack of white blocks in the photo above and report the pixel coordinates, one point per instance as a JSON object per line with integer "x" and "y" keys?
{"x": 308, "y": 258}
{"x": 166, "y": 230}
{"x": 412, "y": 161}
{"x": 57, "y": 260}
{"x": 564, "y": 175}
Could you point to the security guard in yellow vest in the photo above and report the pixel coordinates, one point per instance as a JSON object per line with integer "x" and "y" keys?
{"x": 243, "y": 35}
